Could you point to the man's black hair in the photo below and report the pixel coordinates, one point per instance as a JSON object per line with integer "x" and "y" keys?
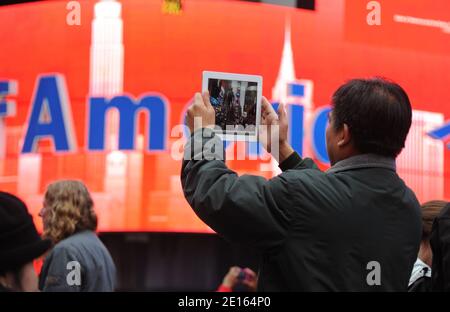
{"x": 377, "y": 112}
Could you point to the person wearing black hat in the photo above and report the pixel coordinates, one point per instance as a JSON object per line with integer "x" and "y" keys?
{"x": 20, "y": 244}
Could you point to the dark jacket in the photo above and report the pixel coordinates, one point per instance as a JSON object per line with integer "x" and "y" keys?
{"x": 317, "y": 231}
{"x": 81, "y": 254}
{"x": 420, "y": 280}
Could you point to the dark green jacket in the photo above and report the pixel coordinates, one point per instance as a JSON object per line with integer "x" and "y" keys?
{"x": 317, "y": 231}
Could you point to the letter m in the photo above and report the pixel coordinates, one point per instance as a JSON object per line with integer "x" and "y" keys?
{"x": 128, "y": 111}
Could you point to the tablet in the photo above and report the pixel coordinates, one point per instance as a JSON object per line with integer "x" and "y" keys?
{"x": 236, "y": 99}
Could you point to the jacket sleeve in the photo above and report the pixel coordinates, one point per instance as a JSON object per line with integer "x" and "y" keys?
{"x": 294, "y": 161}
{"x": 61, "y": 272}
{"x": 247, "y": 209}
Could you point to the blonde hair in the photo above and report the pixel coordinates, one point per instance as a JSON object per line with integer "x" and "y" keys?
{"x": 69, "y": 209}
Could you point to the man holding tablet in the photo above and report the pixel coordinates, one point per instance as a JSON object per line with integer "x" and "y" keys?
{"x": 355, "y": 227}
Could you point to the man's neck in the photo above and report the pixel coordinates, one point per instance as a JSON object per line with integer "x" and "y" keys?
{"x": 425, "y": 253}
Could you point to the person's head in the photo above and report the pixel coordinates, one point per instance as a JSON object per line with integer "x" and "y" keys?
{"x": 250, "y": 97}
{"x": 20, "y": 244}
{"x": 224, "y": 84}
{"x": 228, "y": 98}
{"x": 68, "y": 209}
{"x": 430, "y": 211}
{"x": 368, "y": 116}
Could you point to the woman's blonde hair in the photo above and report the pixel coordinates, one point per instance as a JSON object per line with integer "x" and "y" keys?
{"x": 69, "y": 209}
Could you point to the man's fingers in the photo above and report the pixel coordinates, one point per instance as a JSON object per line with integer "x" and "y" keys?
{"x": 206, "y": 100}
{"x": 282, "y": 115}
{"x": 198, "y": 99}
{"x": 250, "y": 272}
{"x": 190, "y": 109}
{"x": 266, "y": 106}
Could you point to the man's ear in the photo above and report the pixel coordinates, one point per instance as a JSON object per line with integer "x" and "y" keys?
{"x": 344, "y": 136}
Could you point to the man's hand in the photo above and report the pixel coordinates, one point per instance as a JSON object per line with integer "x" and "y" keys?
{"x": 200, "y": 114}
{"x": 251, "y": 279}
{"x": 274, "y": 127}
{"x": 231, "y": 279}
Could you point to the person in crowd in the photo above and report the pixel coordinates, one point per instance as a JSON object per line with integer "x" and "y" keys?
{"x": 20, "y": 245}
{"x": 440, "y": 247}
{"x": 214, "y": 89}
{"x": 224, "y": 86}
{"x": 237, "y": 108}
{"x": 420, "y": 279}
{"x": 354, "y": 227}
{"x": 249, "y": 115}
{"x": 244, "y": 279}
{"x": 228, "y": 109}
{"x": 218, "y": 100}
{"x": 78, "y": 261}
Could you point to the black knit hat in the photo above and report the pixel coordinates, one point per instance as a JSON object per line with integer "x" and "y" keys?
{"x": 19, "y": 240}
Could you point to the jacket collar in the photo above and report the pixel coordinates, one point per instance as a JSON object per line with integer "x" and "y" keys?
{"x": 363, "y": 161}
{"x": 420, "y": 269}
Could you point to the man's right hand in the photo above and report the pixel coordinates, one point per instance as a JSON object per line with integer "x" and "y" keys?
{"x": 274, "y": 127}
{"x": 231, "y": 279}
